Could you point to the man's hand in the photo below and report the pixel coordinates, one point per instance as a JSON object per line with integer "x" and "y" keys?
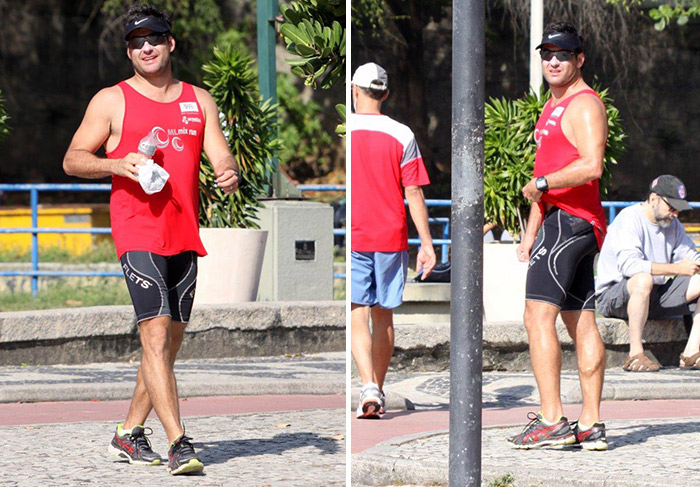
{"x": 425, "y": 261}
{"x": 531, "y": 192}
{"x": 227, "y": 180}
{"x": 128, "y": 166}
{"x": 523, "y": 250}
{"x": 687, "y": 267}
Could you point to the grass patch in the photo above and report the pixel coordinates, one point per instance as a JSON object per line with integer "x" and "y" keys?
{"x": 339, "y": 289}
{"x": 105, "y": 292}
{"x": 102, "y": 251}
{"x": 506, "y": 480}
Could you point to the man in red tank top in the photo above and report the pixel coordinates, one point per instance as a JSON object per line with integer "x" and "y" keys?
{"x": 157, "y": 235}
{"x": 564, "y": 231}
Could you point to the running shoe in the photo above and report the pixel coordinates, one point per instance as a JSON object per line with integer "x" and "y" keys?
{"x": 538, "y": 434}
{"x": 592, "y": 438}
{"x": 382, "y": 402}
{"x": 370, "y": 402}
{"x": 134, "y": 446}
{"x": 182, "y": 458}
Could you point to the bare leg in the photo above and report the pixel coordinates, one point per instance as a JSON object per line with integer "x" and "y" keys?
{"x": 382, "y": 342}
{"x": 545, "y": 355}
{"x": 639, "y": 287}
{"x": 157, "y": 373}
{"x": 361, "y": 341}
{"x": 692, "y": 294}
{"x": 591, "y": 361}
{"x": 141, "y": 404}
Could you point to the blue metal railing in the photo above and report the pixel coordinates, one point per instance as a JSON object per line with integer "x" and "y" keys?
{"x": 34, "y": 230}
{"x": 445, "y": 241}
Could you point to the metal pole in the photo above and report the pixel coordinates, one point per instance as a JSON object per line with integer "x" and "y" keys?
{"x": 34, "y": 203}
{"x": 467, "y": 241}
{"x": 267, "y": 69}
{"x": 536, "y": 29}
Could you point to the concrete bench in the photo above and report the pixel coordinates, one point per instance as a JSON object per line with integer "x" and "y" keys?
{"x": 423, "y": 335}
{"x": 110, "y": 333}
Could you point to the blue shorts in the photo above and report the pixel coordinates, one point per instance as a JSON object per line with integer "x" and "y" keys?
{"x": 378, "y": 278}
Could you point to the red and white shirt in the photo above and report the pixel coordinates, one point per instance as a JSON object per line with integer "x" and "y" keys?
{"x": 384, "y": 160}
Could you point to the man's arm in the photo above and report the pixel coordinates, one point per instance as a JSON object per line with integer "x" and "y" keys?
{"x": 534, "y": 222}
{"x": 588, "y": 123}
{"x": 419, "y": 214}
{"x": 215, "y": 145}
{"x": 80, "y": 159}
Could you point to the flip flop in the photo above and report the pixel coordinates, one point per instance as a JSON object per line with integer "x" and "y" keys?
{"x": 640, "y": 363}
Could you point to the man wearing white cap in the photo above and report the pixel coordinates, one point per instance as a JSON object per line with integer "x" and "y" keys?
{"x": 385, "y": 163}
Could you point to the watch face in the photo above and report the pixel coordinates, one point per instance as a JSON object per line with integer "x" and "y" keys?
{"x": 541, "y": 184}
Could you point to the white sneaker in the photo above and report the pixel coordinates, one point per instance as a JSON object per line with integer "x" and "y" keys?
{"x": 370, "y": 402}
{"x": 382, "y": 403}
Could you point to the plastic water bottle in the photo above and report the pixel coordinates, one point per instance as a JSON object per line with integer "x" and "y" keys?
{"x": 148, "y": 144}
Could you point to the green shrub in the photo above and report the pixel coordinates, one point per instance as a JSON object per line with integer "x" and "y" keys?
{"x": 509, "y": 154}
{"x": 250, "y": 128}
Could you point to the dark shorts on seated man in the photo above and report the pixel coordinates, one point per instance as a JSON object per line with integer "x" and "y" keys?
{"x": 667, "y": 300}
{"x": 560, "y": 271}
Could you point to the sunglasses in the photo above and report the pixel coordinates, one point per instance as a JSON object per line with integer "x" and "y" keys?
{"x": 670, "y": 206}
{"x": 137, "y": 42}
{"x": 562, "y": 56}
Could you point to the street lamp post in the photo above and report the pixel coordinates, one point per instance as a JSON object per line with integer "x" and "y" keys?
{"x": 466, "y": 329}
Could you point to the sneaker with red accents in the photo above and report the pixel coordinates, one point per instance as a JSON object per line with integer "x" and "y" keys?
{"x": 181, "y": 457}
{"x": 538, "y": 433}
{"x": 134, "y": 446}
{"x": 592, "y": 438}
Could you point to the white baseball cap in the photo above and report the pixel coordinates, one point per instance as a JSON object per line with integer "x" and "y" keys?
{"x": 372, "y": 76}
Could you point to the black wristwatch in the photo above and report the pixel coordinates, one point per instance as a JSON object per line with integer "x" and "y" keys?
{"x": 541, "y": 184}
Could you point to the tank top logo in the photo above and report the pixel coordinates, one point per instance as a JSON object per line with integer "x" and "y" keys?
{"x": 168, "y": 137}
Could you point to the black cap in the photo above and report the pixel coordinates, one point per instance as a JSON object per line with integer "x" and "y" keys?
{"x": 156, "y": 24}
{"x": 565, "y": 40}
{"x": 672, "y": 190}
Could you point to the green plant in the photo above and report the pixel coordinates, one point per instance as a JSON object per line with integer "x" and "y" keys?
{"x": 314, "y": 31}
{"x": 506, "y": 480}
{"x": 250, "y": 128}
{"x": 4, "y": 117}
{"x": 509, "y": 154}
{"x": 665, "y": 13}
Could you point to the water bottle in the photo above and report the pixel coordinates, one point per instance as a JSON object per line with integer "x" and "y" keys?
{"x": 152, "y": 177}
{"x": 148, "y": 144}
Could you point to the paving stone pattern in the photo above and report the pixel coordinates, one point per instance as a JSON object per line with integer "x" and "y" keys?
{"x": 282, "y": 449}
{"x": 651, "y": 453}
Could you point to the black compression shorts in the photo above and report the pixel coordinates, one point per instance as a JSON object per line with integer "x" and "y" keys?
{"x": 161, "y": 285}
{"x": 561, "y": 263}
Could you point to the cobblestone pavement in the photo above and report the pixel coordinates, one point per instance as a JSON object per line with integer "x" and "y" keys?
{"x": 514, "y": 389}
{"x": 285, "y": 449}
{"x": 649, "y": 453}
{"x": 322, "y": 373}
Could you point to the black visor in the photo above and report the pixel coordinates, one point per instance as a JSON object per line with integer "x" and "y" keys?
{"x": 565, "y": 40}
{"x": 156, "y": 24}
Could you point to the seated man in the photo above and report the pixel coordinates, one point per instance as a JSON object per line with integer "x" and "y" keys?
{"x": 648, "y": 268}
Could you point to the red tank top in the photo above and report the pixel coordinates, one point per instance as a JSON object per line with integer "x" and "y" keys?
{"x": 167, "y": 222}
{"x": 554, "y": 151}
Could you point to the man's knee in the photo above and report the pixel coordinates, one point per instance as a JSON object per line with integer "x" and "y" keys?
{"x": 156, "y": 336}
{"x": 640, "y": 284}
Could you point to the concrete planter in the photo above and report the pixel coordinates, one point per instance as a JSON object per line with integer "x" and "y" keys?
{"x": 230, "y": 273}
{"x": 504, "y": 283}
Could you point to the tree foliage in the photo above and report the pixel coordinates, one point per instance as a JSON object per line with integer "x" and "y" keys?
{"x": 250, "y": 128}
{"x": 666, "y": 13}
{"x": 314, "y": 31}
{"x": 4, "y": 119}
{"x": 509, "y": 154}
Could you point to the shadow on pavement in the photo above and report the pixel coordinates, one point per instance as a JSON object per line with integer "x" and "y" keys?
{"x": 222, "y": 451}
{"x": 641, "y": 433}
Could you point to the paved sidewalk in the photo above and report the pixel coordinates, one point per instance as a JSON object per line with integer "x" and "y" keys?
{"x": 322, "y": 373}
{"x": 653, "y": 424}
{"x": 286, "y": 449}
{"x": 288, "y": 431}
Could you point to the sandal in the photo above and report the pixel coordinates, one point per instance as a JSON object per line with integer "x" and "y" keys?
{"x": 690, "y": 363}
{"x": 641, "y": 363}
